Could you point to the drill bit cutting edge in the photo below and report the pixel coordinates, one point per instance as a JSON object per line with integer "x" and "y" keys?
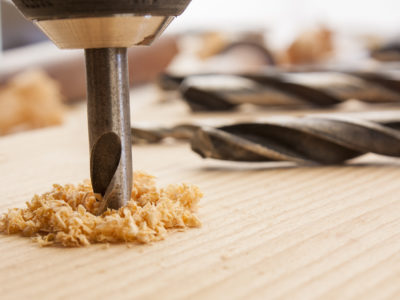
{"x": 105, "y": 29}
{"x": 109, "y": 125}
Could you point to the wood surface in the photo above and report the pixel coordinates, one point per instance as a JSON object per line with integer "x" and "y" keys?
{"x": 269, "y": 231}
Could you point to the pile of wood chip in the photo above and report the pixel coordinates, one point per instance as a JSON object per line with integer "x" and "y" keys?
{"x": 30, "y": 100}
{"x": 66, "y": 214}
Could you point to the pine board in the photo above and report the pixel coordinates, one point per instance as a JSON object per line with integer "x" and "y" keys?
{"x": 270, "y": 231}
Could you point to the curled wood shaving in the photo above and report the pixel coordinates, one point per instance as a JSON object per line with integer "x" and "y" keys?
{"x": 311, "y": 46}
{"x": 66, "y": 214}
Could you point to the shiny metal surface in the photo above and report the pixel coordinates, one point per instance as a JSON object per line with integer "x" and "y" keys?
{"x": 104, "y": 32}
{"x": 109, "y": 125}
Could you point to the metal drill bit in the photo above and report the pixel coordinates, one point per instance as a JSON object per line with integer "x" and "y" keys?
{"x": 387, "y": 52}
{"x": 221, "y": 92}
{"x": 109, "y": 125}
{"x": 327, "y": 139}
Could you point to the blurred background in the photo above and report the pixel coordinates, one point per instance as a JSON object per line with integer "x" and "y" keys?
{"x": 284, "y": 19}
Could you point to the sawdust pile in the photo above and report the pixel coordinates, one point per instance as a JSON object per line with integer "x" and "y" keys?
{"x": 65, "y": 215}
{"x": 30, "y": 100}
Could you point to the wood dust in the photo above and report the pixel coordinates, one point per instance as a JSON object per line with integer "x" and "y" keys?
{"x": 66, "y": 214}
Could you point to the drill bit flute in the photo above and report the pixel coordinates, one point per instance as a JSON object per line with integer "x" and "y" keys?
{"x": 105, "y": 29}
{"x": 323, "y": 139}
{"x": 109, "y": 124}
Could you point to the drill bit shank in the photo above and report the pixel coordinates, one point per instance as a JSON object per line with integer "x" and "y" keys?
{"x": 109, "y": 125}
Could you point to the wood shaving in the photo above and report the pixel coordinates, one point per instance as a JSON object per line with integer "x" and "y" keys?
{"x": 212, "y": 43}
{"x": 66, "y": 214}
{"x": 30, "y": 100}
{"x": 310, "y": 47}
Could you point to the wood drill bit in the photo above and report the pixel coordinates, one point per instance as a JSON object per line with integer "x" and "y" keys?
{"x": 326, "y": 139}
{"x": 222, "y": 92}
{"x": 109, "y": 125}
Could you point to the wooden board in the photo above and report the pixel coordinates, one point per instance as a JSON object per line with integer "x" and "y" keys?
{"x": 269, "y": 230}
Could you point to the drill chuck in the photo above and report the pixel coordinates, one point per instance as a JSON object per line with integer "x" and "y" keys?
{"x": 84, "y": 24}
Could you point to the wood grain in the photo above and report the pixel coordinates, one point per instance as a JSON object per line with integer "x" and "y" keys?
{"x": 270, "y": 231}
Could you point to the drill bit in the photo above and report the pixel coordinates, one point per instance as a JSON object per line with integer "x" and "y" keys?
{"x": 222, "y": 92}
{"x": 327, "y": 139}
{"x": 109, "y": 125}
{"x": 324, "y": 139}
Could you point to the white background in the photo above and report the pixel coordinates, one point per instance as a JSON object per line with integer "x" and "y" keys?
{"x": 283, "y": 16}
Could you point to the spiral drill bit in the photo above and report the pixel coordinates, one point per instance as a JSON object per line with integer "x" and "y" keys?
{"x": 222, "y": 92}
{"x": 324, "y": 139}
{"x": 314, "y": 139}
